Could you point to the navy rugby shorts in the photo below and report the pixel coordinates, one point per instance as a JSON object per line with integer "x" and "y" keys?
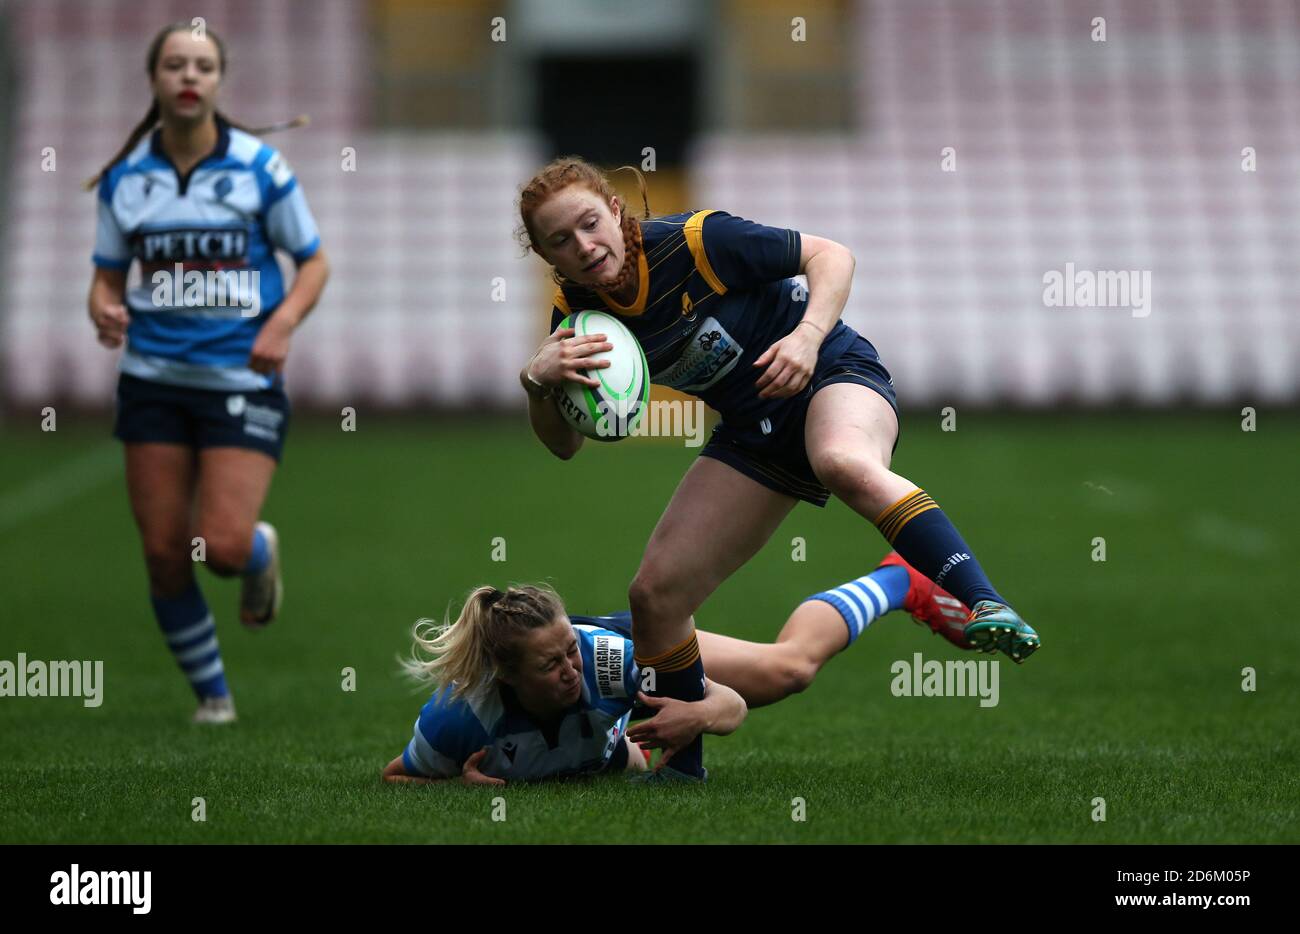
{"x": 201, "y": 418}
{"x": 773, "y": 451}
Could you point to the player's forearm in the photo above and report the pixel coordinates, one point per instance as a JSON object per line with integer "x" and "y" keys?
{"x": 308, "y": 284}
{"x": 550, "y": 427}
{"x": 830, "y": 276}
{"x": 395, "y": 774}
{"x": 411, "y": 780}
{"x": 722, "y": 708}
{"x": 108, "y": 287}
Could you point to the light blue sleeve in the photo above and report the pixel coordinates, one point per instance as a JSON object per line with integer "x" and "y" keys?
{"x": 446, "y": 734}
{"x": 608, "y": 664}
{"x": 289, "y": 221}
{"x": 111, "y": 249}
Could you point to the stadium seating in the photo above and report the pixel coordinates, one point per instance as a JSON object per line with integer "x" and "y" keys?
{"x": 1118, "y": 155}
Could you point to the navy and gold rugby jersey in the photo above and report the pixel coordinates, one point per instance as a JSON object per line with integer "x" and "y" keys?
{"x": 714, "y": 292}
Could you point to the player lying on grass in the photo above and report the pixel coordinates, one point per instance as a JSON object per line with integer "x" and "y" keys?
{"x": 523, "y": 691}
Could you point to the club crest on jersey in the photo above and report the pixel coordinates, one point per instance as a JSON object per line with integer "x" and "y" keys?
{"x": 222, "y": 187}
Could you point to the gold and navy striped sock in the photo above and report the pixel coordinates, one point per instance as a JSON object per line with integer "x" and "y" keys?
{"x": 929, "y": 542}
{"x": 679, "y": 673}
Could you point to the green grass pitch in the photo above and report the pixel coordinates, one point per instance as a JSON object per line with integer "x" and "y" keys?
{"x": 1136, "y": 696}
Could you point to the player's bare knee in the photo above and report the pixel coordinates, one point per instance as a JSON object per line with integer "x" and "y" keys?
{"x": 848, "y": 473}
{"x": 168, "y": 565}
{"x": 651, "y": 597}
{"x": 793, "y": 674}
{"x": 642, "y": 596}
{"x": 227, "y": 550}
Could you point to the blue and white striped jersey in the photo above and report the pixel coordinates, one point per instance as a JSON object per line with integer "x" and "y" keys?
{"x": 205, "y": 242}
{"x": 589, "y": 737}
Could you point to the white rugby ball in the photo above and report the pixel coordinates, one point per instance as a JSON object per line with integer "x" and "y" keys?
{"x": 611, "y": 411}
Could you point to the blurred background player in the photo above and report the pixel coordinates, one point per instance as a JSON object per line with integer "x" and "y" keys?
{"x": 524, "y": 691}
{"x": 202, "y": 204}
{"x": 808, "y": 409}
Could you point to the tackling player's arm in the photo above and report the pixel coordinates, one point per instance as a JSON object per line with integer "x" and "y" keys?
{"x": 395, "y": 773}
{"x": 676, "y": 722}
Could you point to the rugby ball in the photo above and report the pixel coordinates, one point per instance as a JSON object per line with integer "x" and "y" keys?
{"x": 611, "y": 411}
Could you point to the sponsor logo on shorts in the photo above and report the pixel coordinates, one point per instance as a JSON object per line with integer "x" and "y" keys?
{"x": 262, "y": 421}
{"x": 608, "y": 652}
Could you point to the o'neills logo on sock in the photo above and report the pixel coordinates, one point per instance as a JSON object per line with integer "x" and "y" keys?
{"x": 103, "y": 888}
{"x": 951, "y": 562}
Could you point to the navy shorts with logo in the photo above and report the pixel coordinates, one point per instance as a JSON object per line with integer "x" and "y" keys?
{"x": 201, "y": 418}
{"x": 773, "y": 452}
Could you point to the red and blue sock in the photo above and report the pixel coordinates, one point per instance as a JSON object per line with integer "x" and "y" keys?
{"x": 862, "y": 601}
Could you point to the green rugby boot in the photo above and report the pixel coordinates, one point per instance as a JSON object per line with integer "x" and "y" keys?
{"x": 996, "y": 627}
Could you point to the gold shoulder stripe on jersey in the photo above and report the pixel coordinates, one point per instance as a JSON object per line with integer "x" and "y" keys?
{"x": 695, "y": 241}
{"x": 561, "y": 302}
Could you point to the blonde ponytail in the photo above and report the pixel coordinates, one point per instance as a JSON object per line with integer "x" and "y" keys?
{"x": 470, "y": 652}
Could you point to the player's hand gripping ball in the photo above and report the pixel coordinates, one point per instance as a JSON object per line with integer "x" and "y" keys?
{"x": 610, "y": 411}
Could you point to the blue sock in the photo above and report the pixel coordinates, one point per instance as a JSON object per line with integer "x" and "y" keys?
{"x": 928, "y": 541}
{"x": 260, "y": 555}
{"x": 861, "y": 601}
{"x": 679, "y": 673}
{"x": 191, "y": 634}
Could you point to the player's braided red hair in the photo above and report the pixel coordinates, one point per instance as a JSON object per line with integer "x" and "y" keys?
{"x": 574, "y": 170}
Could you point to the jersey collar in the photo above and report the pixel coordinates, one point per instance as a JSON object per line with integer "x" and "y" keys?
{"x": 642, "y": 290}
{"x": 218, "y": 152}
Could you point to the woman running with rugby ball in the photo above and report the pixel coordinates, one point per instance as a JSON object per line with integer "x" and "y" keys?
{"x": 523, "y": 691}
{"x": 808, "y": 410}
{"x": 202, "y": 204}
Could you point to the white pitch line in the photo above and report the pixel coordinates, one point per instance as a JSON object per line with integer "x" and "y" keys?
{"x": 51, "y": 490}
